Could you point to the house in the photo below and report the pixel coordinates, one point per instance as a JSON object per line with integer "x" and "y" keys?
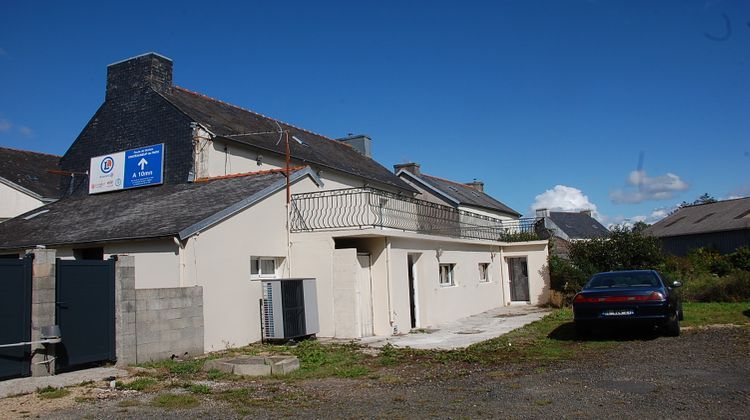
{"x": 722, "y": 225}
{"x": 564, "y": 228}
{"x": 234, "y": 197}
{"x": 25, "y": 181}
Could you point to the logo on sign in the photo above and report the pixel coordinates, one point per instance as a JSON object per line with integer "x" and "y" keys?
{"x": 107, "y": 164}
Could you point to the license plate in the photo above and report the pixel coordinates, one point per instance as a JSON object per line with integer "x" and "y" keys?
{"x": 618, "y": 312}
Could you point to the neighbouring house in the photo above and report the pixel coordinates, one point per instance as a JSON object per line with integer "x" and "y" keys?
{"x": 215, "y": 198}
{"x": 723, "y": 226}
{"x": 566, "y": 227}
{"x": 25, "y": 181}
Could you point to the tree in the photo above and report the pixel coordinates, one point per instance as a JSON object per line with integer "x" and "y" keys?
{"x": 706, "y": 198}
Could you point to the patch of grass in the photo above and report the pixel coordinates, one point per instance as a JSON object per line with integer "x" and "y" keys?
{"x": 700, "y": 314}
{"x": 217, "y": 375}
{"x": 50, "y": 392}
{"x": 138, "y": 384}
{"x": 175, "y": 401}
{"x": 129, "y": 403}
{"x": 199, "y": 389}
{"x": 179, "y": 368}
{"x": 388, "y": 355}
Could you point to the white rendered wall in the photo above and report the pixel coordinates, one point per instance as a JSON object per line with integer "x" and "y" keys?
{"x": 14, "y": 202}
{"x": 157, "y": 263}
{"x": 538, "y": 269}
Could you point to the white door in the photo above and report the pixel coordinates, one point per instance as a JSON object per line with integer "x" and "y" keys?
{"x": 364, "y": 280}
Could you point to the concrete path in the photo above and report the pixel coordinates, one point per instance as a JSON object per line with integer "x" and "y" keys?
{"x": 27, "y": 385}
{"x": 465, "y": 331}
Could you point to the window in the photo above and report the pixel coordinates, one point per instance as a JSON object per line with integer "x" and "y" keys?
{"x": 484, "y": 272}
{"x": 446, "y": 274}
{"x": 262, "y": 267}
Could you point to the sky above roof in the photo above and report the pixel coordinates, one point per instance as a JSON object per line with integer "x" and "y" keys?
{"x": 624, "y": 107}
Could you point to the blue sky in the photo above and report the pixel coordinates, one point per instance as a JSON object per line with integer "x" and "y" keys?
{"x": 628, "y": 106}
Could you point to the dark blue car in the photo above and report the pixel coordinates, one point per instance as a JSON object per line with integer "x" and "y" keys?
{"x": 628, "y": 297}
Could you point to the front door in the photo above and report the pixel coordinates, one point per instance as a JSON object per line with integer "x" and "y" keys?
{"x": 519, "y": 279}
{"x": 364, "y": 280}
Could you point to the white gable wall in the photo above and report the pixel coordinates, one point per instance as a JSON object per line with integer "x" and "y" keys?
{"x": 14, "y": 202}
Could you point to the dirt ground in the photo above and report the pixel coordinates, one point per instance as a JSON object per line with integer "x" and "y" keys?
{"x": 705, "y": 373}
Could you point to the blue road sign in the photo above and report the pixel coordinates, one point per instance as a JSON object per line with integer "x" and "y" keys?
{"x": 144, "y": 166}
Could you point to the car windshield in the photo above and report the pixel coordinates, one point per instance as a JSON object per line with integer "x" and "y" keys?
{"x": 607, "y": 280}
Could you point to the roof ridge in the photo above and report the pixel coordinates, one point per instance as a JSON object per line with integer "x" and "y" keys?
{"x": 244, "y": 174}
{"x": 30, "y": 151}
{"x": 456, "y": 183}
{"x": 252, "y": 112}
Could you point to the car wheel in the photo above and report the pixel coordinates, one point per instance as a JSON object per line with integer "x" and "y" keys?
{"x": 673, "y": 325}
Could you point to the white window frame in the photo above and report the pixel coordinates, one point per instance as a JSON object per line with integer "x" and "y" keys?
{"x": 484, "y": 268}
{"x": 260, "y": 274}
{"x": 451, "y": 279}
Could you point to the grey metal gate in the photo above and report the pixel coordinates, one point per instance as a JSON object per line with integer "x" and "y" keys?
{"x": 15, "y": 316}
{"x": 85, "y": 312}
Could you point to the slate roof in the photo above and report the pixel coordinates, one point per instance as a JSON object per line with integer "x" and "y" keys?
{"x": 139, "y": 213}
{"x": 29, "y": 170}
{"x": 578, "y": 225}
{"x": 703, "y": 218}
{"x": 466, "y": 195}
{"x": 234, "y": 123}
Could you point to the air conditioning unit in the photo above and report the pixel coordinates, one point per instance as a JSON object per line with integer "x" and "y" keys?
{"x": 290, "y": 308}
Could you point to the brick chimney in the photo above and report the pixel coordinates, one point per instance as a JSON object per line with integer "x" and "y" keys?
{"x": 477, "y": 185}
{"x": 360, "y": 142}
{"x": 134, "y": 74}
{"x": 408, "y": 167}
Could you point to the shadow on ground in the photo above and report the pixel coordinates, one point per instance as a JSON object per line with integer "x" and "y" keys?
{"x": 746, "y": 313}
{"x": 567, "y": 332}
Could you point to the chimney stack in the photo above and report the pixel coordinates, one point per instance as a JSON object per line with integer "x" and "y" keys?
{"x": 477, "y": 185}
{"x": 542, "y": 212}
{"x": 586, "y": 212}
{"x": 408, "y": 167}
{"x": 360, "y": 142}
{"x": 130, "y": 76}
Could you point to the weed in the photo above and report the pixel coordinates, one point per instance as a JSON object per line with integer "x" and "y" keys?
{"x": 128, "y": 403}
{"x": 199, "y": 389}
{"x": 388, "y": 355}
{"x": 175, "y": 401}
{"x": 49, "y": 392}
{"x": 182, "y": 368}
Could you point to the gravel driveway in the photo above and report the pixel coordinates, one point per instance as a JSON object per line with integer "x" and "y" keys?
{"x": 704, "y": 373}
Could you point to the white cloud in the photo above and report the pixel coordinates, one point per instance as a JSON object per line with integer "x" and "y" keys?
{"x": 653, "y": 217}
{"x": 563, "y": 198}
{"x": 5, "y": 125}
{"x": 26, "y": 131}
{"x": 644, "y": 188}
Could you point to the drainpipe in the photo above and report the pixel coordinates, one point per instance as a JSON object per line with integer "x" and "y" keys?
{"x": 388, "y": 281}
{"x": 181, "y": 255}
{"x": 502, "y": 276}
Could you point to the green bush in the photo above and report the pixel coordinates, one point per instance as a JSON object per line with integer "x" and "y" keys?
{"x": 706, "y": 287}
{"x": 564, "y": 277}
{"x": 709, "y": 261}
{"x": 740, "y": 258}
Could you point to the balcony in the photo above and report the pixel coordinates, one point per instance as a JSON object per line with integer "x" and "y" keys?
{"x": 363, "y": 208}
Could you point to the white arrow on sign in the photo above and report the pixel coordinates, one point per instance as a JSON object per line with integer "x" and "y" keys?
{"x": 142, "y": 163}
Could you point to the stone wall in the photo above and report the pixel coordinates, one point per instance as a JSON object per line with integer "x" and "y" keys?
{"x": 168, "y": 322}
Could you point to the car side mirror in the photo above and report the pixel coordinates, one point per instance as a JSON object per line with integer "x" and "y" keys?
{"x": 676, "y": 284}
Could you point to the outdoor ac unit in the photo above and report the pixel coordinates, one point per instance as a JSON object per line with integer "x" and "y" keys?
{"x": 290, "y": 308}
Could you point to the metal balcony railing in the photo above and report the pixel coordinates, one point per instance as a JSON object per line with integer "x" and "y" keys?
{"x": 360, "y": 208}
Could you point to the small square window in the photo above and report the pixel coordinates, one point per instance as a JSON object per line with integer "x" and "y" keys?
{"x": 262, "y": 267}
{"x": 446, "y": 274}
{"x": 484, "y": 272}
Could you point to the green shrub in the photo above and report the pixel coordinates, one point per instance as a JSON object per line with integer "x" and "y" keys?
{"x": 740, "y": 258}
{"x": 564, "y": 277}
{"x": 707, "y": 287}
{"x": 709, "y": 261}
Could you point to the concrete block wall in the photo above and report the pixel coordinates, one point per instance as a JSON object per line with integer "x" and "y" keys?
{"x": 42, "y": 310}
{"x": 168, "y": 321}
